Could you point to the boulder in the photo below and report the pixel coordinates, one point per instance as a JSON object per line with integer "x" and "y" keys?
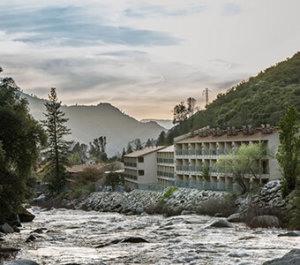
{"x": 291, "y": 233}
{"x": 6, "y": 228}
{"x": 265, "y": 221}
{"x": 30, "y": 238}
{"x": 25, "y": 216}
{"x": 236, "y": 217}
{"x": 39, "y": 230}
{"x": 221, "y": 223}
{"x": 291, "y": 258}
{"x": 22, "y": 262}
{"x": 7, "y": 252}
{"x": 133, "y": 239}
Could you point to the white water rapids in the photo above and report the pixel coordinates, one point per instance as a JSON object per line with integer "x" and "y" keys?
{"x": 71, "y": 236}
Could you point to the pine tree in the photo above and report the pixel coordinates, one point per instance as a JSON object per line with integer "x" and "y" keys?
{"x": 148, "y": 143}
{"x": 138, "y": 144}
{"x": 161, "y": 139}
{"x": 129, "y": 149}
{"x": 123, "y": 154}
{"x": 58, "y": 147}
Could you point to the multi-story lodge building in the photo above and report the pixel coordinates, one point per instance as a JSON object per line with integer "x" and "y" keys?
{"x": 165, "y": 166}
{"x": 202, "y": 148}
{"x": 183, "y": 163}
{"x": 140, "y": 167}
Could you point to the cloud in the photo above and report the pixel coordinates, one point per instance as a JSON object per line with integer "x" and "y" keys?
{"x": 146, "y": 10}
{"x": 74, "y": 26}
{"x": 230, "y": 9}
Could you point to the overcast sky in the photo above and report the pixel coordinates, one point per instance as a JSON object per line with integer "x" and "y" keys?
{"x": 143, "y": 56}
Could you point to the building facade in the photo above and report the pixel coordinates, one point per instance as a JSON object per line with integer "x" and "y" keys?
{"x": 166, "y": 166}
{"x": 140, "y": 167}
{"x": 202, "y": 149}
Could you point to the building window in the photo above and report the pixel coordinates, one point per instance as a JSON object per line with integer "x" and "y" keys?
{"x": 141, "y": 159}
{"x": 265, "y": 167}
{"x": 141, "y": 172}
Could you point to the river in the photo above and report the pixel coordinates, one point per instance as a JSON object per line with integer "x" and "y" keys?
{"x": 72, "y": 236}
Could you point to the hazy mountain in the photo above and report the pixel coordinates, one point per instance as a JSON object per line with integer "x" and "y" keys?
{"x": 89, "y": 122}
{"x": 168, "y": 124}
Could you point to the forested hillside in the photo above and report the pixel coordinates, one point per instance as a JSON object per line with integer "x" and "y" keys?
{"x": 259, "y": 100}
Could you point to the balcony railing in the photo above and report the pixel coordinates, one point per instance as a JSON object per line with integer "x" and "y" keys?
{"x": 182, "y": 168}
{"x": 203, "y": 152}
{"x": 128, "y": 176}
{"x": 130, "y": 164}
{"x": 165, "y": 174}
{"x": 165, "y": 160}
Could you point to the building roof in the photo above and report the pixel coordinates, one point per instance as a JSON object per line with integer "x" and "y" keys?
{"x": 257, "y": 135}
{"x": 144, "y": 151}
{"x": 168, "y": 149}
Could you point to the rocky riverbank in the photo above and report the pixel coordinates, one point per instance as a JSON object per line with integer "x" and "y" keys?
{"x": 176, "y": 201}
{"x": 139, "y": 201}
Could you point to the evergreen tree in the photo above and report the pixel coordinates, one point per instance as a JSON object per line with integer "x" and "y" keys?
{"x": 138, "y": 144}
{"x": 123, "y": 154}
{"x": 58, "y": 147}
{"x": 97, "y": 149}
{"x": 288, "y": 154}
{"x": 21, "y": 138}
{"x": 161, "y": 139}
{"x": 129, "y": 149}
{"x": 148, "y": 143}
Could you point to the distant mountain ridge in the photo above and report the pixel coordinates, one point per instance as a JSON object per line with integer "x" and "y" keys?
{"x": 168, "y": 124}
{"x": 89, "y": 122}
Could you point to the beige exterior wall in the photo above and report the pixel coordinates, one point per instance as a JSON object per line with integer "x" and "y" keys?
{"x": 165, "y": 167}
{"x": 191, "y": 157}
{"x": 137, "y": 172}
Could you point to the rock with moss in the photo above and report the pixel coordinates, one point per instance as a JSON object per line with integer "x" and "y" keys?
{"x": 24, "y": 215}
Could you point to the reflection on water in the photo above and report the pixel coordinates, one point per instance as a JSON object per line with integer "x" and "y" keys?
{"x": 72, "y": 236}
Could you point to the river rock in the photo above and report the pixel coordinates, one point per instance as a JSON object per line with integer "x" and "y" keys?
{"x": 39, "y": 230}
{"x": 221, "y": 223}
{"x": 6, "y": 228}
{"x": 7, "y": 252}
{"x": 291, "y": 258}
{"x": 291, "y": 233}
{"x": 22, "y": 262}
{"x": 236, "y": 217}
{"x": 25, "y": 216}
{"x": 30, "y": 239}
{"x": 265, "y": 221}
{"x": 133, "y": 239}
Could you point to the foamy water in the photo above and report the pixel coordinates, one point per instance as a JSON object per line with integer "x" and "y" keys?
{"x": 73, "y": 236}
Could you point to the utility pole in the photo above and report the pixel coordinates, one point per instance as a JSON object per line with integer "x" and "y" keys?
{"x": 205, "y": 92}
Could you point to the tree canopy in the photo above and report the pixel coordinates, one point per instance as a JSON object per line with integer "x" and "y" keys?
{"x": 21, "y": 138}
{"x": 244, "y": 162}
{"x": 288, "y": 154}
{"x": 259, "y": 100}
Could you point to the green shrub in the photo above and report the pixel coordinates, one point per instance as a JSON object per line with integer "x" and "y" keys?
{"x": 168, "y": 193}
